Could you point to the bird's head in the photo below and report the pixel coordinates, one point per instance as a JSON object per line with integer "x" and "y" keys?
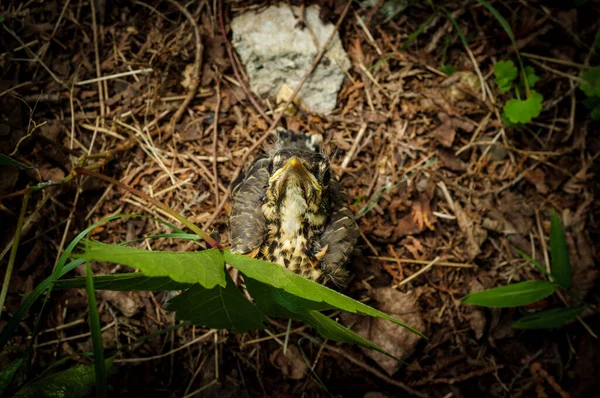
{"x": 298, "y": 172}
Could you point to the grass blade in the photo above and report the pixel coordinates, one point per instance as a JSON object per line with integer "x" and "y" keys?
{"x": 100, "y": 370}
{"x": 511, "y": 35}
{"x": 548, "y": 319}
{"x": 514, "y": 295}
{"x": 8, "y": 161}
{"x": 408, "y": 41}
{"x": 61, "y": 269}
{"x": 13, "y": 252}
{"x": 561, "y": 268}
{"x": 533, "y": 262}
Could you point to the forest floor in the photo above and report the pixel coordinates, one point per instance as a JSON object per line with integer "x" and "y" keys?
{"x": 435, "y": 173}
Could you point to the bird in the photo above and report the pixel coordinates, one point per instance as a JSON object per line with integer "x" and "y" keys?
{"x": 288, "y": 209}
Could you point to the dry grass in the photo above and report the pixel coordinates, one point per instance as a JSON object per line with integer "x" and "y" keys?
{"x": 427, "y": 153}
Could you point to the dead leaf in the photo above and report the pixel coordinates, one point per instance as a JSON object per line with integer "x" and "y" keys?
{"x": 187, "y": 73}
{"x": 473, "y": 232}
{"x": 291, "y": 364}
{"x": 446, "y": 131}
{"x": 476, "y": 317}
{"x": 581, "y": 255}
{"x": 49, "y": 173}
{"x": 395, "y": 339}
{"x": 537, "y": 178}
{"x": 126, "y": 302}
{"x": 419, "y": 218}
{"x": 450, "y": 161}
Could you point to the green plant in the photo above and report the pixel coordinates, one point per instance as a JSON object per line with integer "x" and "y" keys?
{"x": 210, "y": 297}
{"x": 527, "y": 292}
{"x": 528, "y": 103}
{"x": 590, "y": 85}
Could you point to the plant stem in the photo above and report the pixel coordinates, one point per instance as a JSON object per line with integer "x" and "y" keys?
{"x": 157, "y": 203}
{"x": 13, "y": 252}
{"x": 94, "y": 319}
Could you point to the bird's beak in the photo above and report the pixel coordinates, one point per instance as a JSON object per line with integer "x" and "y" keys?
{"x": 295, "y": 166}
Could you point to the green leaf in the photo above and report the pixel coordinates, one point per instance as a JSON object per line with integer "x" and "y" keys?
{"x": 523, "y": 111}
{"x": 513, "y": 295}
{"x": 61, "y": 269}
{"x": 500, "y": 19}
{"x": 97, "y": 346}
{"x": 278, "y": 277}
{"x": 590, "y": 84}
{"x": 332, "y": 330}
{"x": 71, "y": 383}
{"x": 280, "y": 304}
{"x": 535, "y": 263}
{"x": 204, "y": 267}
{"x": 593, "y": 104}
{"x": 560, "y": 265}
{"x": 447, "y": 69}
{"x": 8, "y": 161}
{"x": 506, "y": 72}
{"x": 532, "y": 78}
{"x": 548, "y": 319}
{"x": 8, "y": 374}
{"x": 131, "y": 282}
{"x": 217, "y": 308}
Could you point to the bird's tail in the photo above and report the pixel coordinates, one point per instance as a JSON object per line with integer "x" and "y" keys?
{"x": 287, "y": 139}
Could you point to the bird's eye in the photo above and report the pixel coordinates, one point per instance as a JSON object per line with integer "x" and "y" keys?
{"x": 270, "y": 168}
{"x": 326, "y": 176}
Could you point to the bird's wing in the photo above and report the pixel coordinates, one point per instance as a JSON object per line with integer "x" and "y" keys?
{"x": 340, "y": 234}
{"x": 247, "y": 224}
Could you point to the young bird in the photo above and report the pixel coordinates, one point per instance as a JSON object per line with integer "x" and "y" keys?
{"x": 287, "y": 209}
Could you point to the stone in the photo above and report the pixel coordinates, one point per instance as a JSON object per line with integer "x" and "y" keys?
{"x": 277, "y": 53}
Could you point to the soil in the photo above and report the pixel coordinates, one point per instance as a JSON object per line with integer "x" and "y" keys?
{"x": 436, "y": 174}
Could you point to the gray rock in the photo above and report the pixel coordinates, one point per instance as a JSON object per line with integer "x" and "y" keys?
{"x": 277, "y": 54}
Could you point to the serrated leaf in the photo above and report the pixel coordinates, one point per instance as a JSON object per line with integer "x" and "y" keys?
{"x": 332, "y": 330}
{"x": 560, "y": 265}
{"x": 590, "y": 83}
{"x": 204, "y": 267}
{"x": 130, "y": 282}
{"x": 506, "y": 72}
{"x": 278, "y": 277}
{"x": 217, "y": 308}
{"x": 548, "y": 319}
{"x": 280, "y": 304}
{"x": 76, "y": 381}
{"x": 513, "y": 295}
{"x": 8, "y": 161}
{"x": 447, "y": 69}
{"x": 523, "y": 111}
{"x": 532, "y": 78}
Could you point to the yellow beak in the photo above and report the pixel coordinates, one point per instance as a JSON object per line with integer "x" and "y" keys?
{"x": 294, "y": 165}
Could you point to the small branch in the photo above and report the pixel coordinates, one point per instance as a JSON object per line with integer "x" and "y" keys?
{"x": 375, "y": 372}
{"x": 195, "y": 82}
{"x": 155, "y": 202}
{"x": 115, "y": 76}
{"x": 235, "y": 69}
